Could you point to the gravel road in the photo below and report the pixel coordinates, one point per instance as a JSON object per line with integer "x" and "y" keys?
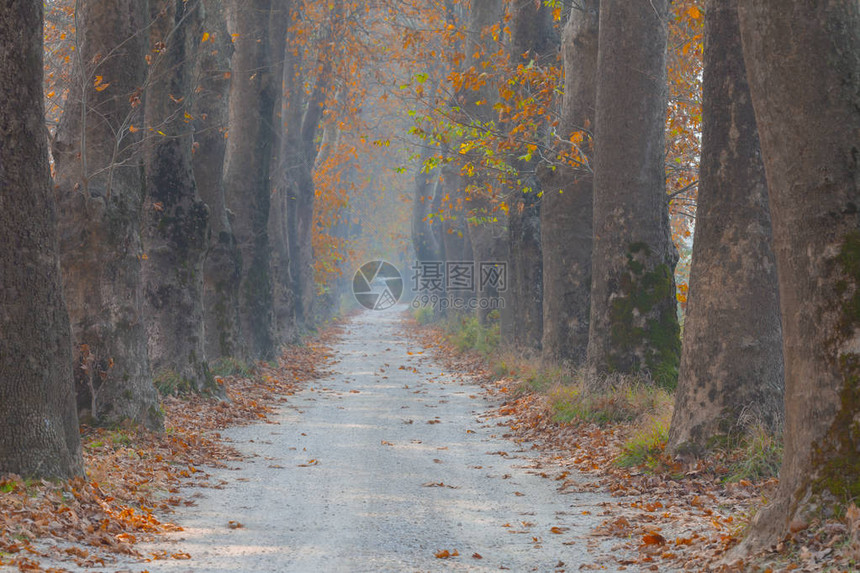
{"x": 377, "y": 467}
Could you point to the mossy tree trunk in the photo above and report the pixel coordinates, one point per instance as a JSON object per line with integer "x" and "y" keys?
{"x": 100, "y": 189}
{"x": 803, "y": 65}
{"x": 731, "y": 374}
{"x": 223, "y": 266}
{"x": 254, "y": 92}
{"x": 175, "y": 219}
{"x": 566, "y": 210}
{"x": 533, "y": 39}
{"x": 39, "y": 434}
{"x": 634, "y": 325}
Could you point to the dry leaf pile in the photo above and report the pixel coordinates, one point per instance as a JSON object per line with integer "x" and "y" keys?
{"x": 133, "y": 476}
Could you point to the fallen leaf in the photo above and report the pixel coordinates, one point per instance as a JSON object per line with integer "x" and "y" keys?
{"x": 653, "y": 538}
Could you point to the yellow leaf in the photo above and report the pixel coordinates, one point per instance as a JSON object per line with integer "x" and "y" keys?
{"x": 694, "y": 12}
{"x": 205, "y": 37}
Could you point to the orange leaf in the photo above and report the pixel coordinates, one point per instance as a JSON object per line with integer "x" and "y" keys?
{"x": 653, "y": 539}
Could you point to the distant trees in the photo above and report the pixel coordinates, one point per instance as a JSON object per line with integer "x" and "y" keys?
{"x": 38, "y": 423}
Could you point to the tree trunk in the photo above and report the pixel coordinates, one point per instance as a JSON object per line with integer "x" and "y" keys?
{"x": 487, "y": 233}
{"x": 302, "y": 121}
{"x": 223, "y": 266}
{"x": 634, "y": 325}
{"x": 566, "y": 210}
{"x": 39, "y": 434}
{"x": 175, "y": 220}
{"x": 731, "y": 374}
{"x": 803, "y": 64}
{"x": 283, "y": 299}
{"x": 423, "y": 235}
{"x": 253, "y": 95}
{"x": 533, "y": 39}
{"x": 100, "y": 194}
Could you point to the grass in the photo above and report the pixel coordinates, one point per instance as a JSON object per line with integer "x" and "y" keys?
{"x": 626, "y": 399}
{"x": 468, "y": 334}
{"x": 424, "y": 315}
{"x": 647, "y": 442}
{"x": 230, "y": 367}
{"x": 758, "y": 456}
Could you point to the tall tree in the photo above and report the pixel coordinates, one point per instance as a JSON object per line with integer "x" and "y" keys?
{"x": 39, "y": 434}
{"x": 634, "y": 325}
{"x": 487, "y": 232}
{"x": 175, "y": 220}
{"x": 253, "y": 95}
{"x": 803, "y": 65}
{"x": 223, "y": 266}
{"x": 100, "y": 195}
{"x": 731, "y": 373}
{"x": 283, "y": 298}
{"x": 534, "y": 42}
{"x": 303, "y": 114}
{"x": 566, "y": 211}
{"x": 424, "y": 236}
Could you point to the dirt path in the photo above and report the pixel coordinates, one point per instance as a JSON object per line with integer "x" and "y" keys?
{"x": 378, "y": 467}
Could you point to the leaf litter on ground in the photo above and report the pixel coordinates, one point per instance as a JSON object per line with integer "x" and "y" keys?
{"x": 672, "y": 517}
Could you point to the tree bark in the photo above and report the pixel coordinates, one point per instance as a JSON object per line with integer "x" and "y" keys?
{"x": 99, "y": 191}
{"x": 283, "y": 299}
{"x": 223, "y": 266}
{"x": 253, "y": 95}
{"x": 175, "y": 220}
{"x": 423, "y": 236}
{"x": 39, "y": 434}
{"x": 634, "y": 325}
{"x": 731, "y": 374}
{"x": 487, "y": 233}
{"x": 533, "y": 38}
{"x": 566, "y": 211}
{"x": 803, "y": 64}
{"x": 302, "y": 121}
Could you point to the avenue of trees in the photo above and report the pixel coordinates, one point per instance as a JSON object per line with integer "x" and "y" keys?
{"x": 186, "y": 182}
